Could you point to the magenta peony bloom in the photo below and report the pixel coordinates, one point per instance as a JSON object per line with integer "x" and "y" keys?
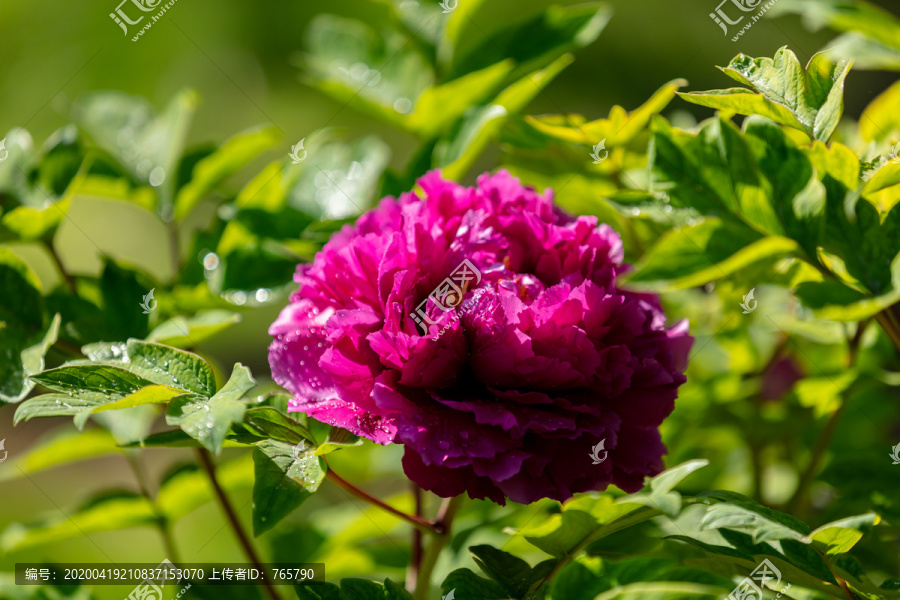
{"x": 500, "y": 375}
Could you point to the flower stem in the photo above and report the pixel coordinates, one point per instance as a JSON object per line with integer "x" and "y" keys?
{"x": 828, "y": 433}
{"x": 68, "y": 279}
{"x": 162, "y": 522}
{"x": 414, "y": 520}
{"x": 888, "y": 321}
{"x": 415, "y": 560}
{"x": 225, "y": 503}
{"x": 441, "y": 537}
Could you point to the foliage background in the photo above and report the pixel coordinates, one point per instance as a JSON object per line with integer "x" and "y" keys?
{"x": 245, "y": 61}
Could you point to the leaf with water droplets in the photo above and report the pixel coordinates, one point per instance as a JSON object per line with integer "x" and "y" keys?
{"x": 286, "y": 475}
{"x": 277, "y": 425}
{"x": 172, "y": 367}
{"x": 208, "y": 420}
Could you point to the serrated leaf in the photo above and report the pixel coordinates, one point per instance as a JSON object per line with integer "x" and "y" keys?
{"x": 208, "y": 420}
{"x": 171, "y": 367}
{"x": 811, "y": 100}
{"x": 277, "y": 425}
{"x": 286, "y": 475}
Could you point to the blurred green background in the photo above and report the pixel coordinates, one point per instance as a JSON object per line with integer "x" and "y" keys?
{"x": 246, "y": 61}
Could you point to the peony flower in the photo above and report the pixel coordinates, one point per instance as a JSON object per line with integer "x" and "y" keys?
{"x": 482, "y": 329}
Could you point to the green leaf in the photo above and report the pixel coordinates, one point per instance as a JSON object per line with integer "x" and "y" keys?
{"x": 512, "y": 573}
{"x": 662, "y": 590}
{"x": 824, "y": 393}
{"x": 872, "y": 32}
{"x": 153, "y": 394}
{"x": 540, "y": 40}
{"x": 337, "y": 439}
{"x": 109, "y": 514}
{"x": 127, "y": 128}
{"x": 318, "y": 591}
{"x": 811, "y": 101}
{"x": 277, "y": 425}
{"x": 64, "y": 448}
{"x": 881, "y": 116}
{"x": 183, "y": 332}
{"x": 466, "y": 585}
{"x": 15, "y": 382}
{"x": 235, "y": 153}
{"x": 888, "y": 175}
{"x": 375, "y": 70}
{"x": 839, "y": 537}
{"x": 659, "y": 493}
{"x": 363, "y": 589}
{"x": 584, "y": 519}
{"x": 738, "y": 512}
{"x": 208, "y": 420}
{"x": 121, "y": 294}
{"x": 285, "y": 476}
{"x": 439, "y": 106}
{"x": 457, "y": 153}
{"x": 86, "y": 389}
{"x": 171, "y": 367}
{"x": 697, "y": 254}
{"x": 30, "y": 223}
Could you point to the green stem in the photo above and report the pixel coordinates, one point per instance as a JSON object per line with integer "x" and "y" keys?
{"x": 162, "y": 522}
{"x": 840, "y": 580}
{"x": 414, "y": 520}
{"x": 828, "y": 433}
{"x": 69, "y": 280}
{"x": 888, "y": 321}
{"x": 415, "y": 560}
{"x": 207, "y": 462}
{"x": 440, "y": 539}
